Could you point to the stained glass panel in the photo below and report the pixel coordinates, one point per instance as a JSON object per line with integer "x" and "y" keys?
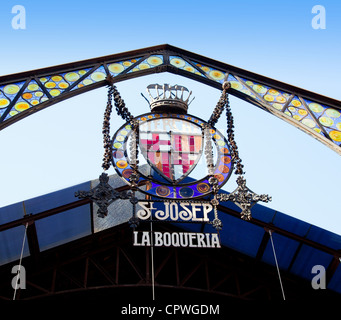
{"x": 116, "y": 68}
{"x": 98, "y": 75}
{"x": 328, "y": 118}
{"x": 7, "y": 94}
{"x": 151, "y": 62}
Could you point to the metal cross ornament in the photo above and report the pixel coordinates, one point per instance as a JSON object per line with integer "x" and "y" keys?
{"x": 244, "y": 198}
{"x": 103, "y": 195}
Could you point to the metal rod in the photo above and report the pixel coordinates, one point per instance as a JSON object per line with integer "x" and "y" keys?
{"x": 279, "y": 275}
{"x": 21, "y": 255}
{"x": 152, "y": 258}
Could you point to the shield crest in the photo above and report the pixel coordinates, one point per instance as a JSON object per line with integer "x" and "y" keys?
{"x": 172, "y": 147}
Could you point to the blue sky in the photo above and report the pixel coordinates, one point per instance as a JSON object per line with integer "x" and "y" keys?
{"x": 62, "y": 145}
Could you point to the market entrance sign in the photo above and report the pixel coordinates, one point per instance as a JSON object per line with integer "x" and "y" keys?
{"x": 171, "y": 143}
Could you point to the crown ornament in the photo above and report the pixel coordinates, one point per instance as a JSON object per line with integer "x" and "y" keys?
{"x": 166, "y": 98}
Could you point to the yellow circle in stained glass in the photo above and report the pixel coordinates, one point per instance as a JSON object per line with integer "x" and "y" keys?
{"x": 144, "y": 66}
{"x": 216, "y": 75}
{"x": 121, "y": 164}
{"x": 55, "y": 92}
{"x": 189, "y": 69}
{"x": 13, "y": 113}
{"x": 292, "y": 109}
{"x": 177, "y": 62}
{"x": 281, "y": 99}
{"x": 127, "y": 63}
{"x": 338, "y": 126}
{"x": 38, "y": 94}
{"x": 63, "y": 85}
{"x": 154, "y": 61}
{"x": 124, "y": 132}
{"x": 82, "y": 72}
{"x": 335, "y": 135}
{"x": 33, "y": 87}
{"x": 236, "y": 85}
{"x": 273, "y": 92}
{"x": 115, "y": 68}
{"x": 72, "y": 76}
{"x": 87, "y": 81}
{"x": 249, "y": 83}
{"x": 302, "y": 112}
{"x": 98, "y": 76}
{"x": 333, "y": 113}
{"x": 56, "y": 78}
{"x": 50, "y": 85}
{"x": 315, "y": 107}
{"x": 325, "y": 121}
{"x": 21, "y": 106}
{"x": 269, "y": 97}
{"x": 27, "y": 95}
{"x": 11, "y": 89}
{"x": 120, "y": 138}
{"x": 34, "y": 102}
{"x": 217, "y": 136}
{"x": 296, "y": 103}
{"x": 4, "y": 103}
{"x": 309, "y": 123}
{"x": 296, "y": 117}
{"x": 117, "y": 145}
{"x": 205, "y": 69}
{"x": 259, "y": 88}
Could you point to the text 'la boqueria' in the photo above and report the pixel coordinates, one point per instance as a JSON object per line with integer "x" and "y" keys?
{"x": 176, "y": 239}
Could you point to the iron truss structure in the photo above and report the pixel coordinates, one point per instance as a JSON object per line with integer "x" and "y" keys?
{"x": 106, "y": 265}
{"x": 28, "y": 92}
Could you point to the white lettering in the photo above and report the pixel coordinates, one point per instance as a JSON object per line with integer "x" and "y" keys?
{"x": 195, "y": 209}
{"x": 215, "y": 241}
{"x": 176, "y": 239}
{"x": 19, "y": 21}
{"x": 19, "y": 280}
{"x": 185, "y": 214}
{"x": 158, "y": 239}
{"x": 319, "y": 281}
{"x": 145, "y": 239}
{"x": 319, "y": 21}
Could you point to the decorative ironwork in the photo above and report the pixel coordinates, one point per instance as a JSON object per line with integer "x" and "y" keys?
{"x": 25, "y": 93}
{"x": 172, "y": 151}
{"x": 103, "y": 195}
{"x": 244, "y": 198}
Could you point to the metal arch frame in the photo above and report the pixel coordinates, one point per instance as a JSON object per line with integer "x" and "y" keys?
{"x": 194, "y": 62}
